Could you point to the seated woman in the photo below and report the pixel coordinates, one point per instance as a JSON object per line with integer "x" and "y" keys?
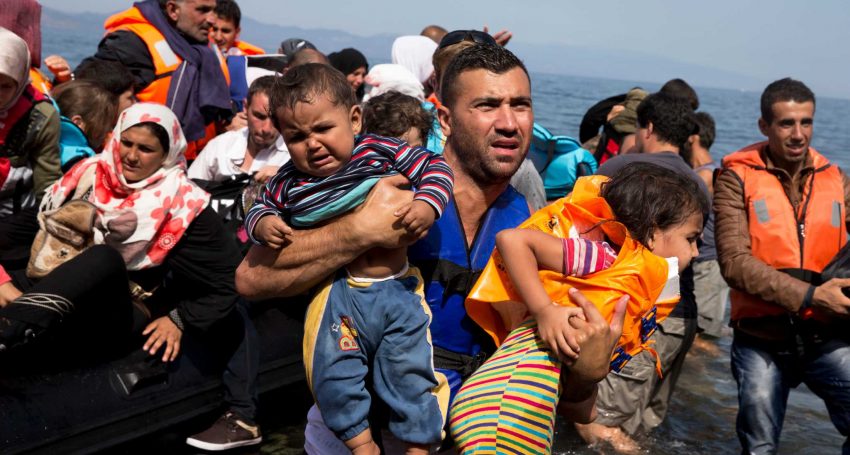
{"x": 160, "y": 261}
{"x": 89, "y": 113}
{"x": 29, "y": 156}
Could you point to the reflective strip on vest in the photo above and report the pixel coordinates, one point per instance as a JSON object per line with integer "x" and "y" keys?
{"x": 805, "y": 241}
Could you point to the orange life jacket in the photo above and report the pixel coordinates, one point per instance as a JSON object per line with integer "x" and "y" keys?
{"x": 165, "y": 62}
{"x": 648, "y": 279}
{"x": 39, "y": 81}
{"x": 800, "y": 243}
{"x": 248, "y": 48}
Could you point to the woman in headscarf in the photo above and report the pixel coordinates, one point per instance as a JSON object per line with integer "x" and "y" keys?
{"x": 353, "y": 64}
{"x": 388, "y": 77}
{"x": 29, "y": 150}
{"x": 415, "y": 53}
{"x": 160, "y": 260}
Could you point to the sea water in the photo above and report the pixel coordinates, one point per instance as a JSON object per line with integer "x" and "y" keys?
{"x": 701, "y": 418}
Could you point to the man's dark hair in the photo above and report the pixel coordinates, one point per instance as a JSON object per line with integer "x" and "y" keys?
{"x": 786, "y": 89}
{"x": 705, "y": 123}
{"x": 495, "y": 59}
{"x": 304, "y": 83}
{"x": 392, "y": 114}
{"x": 109, "y": 74}
{"x": 229, "y": 10}
{"x": 262, "y": 85}
{"x": 671, "y": 117}
{"x": 646, "y": 197}
{"x": 681, "y": 89}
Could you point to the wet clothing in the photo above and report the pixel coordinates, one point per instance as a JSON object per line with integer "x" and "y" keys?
{"x": 711, "y": 293}
{"x": 636, "y": 398}
{"x": 769, "y": 226}
{"x": 765, "y": 373}
{"x": 450, "y": 268}
{"x": 365, "y": 330}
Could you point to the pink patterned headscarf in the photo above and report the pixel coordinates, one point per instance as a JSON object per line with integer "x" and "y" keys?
{"x": 142, "y": 220}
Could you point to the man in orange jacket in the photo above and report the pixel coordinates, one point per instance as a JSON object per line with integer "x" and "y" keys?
{"x": 226, "y": 30}
{"x": 781, "y": 218}
{"x": 164, "y": 44}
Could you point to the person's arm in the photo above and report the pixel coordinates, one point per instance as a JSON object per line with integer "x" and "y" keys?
{"x": 597, "y": 339}
{"x": 128, "y": 49}
{"x": 744, "y": 271}
{"x": 317, "y": 252}
{"x": 525, "y": 252}
{"x": 44, "y": 151}
{"x": 429, "y": 172}
{"x": 8, "y": 291}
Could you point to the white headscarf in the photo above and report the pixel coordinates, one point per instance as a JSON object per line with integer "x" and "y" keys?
{"x": 14, "y": 62}
{"x": 391, "y": 77}
{"x": 414, "y": 52}
{"x": 142, "y": 220}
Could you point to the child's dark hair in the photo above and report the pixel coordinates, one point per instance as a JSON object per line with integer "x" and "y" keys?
{"x": 392, "y": 114}
{"x": 645, "y": 197}
{"x": 109, "y": 74}
{"x": 94, "y": 104}
{"x": 302, "y": 84}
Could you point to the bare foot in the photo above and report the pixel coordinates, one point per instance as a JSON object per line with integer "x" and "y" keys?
{"x": 595, "y": 433}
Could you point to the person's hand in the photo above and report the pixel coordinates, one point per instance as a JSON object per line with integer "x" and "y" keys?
{"x": 596, "y": 339}
{"x": 830, "y": 297}
{"x": 553, "y": 327}
{"x": 239, "y": 121}
{"x": 417, "y": 217}
{"x": 502, "y": 36}
{"x": 163, "y": 331}
{"x": 614, "y": 112}
{"x": 375, "y": 223}
{"x": 265, "y": 173}
{"x": 8, "y": 292}
{"x": 272, "y": 231}
{"x": 59, "y": 67}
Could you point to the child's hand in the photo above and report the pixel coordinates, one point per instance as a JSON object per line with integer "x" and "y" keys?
{"x": 417, "y": 217}
{"x": 553, "y": 326}
{"x": 272, "y": 231}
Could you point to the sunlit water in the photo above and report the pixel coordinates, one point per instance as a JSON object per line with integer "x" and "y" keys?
{"x": 702, "y": 415}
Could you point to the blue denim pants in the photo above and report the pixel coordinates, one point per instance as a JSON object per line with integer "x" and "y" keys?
{"x": 765, "y": 374}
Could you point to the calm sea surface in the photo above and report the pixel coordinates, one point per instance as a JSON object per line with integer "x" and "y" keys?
{"x": 702, "y": 415}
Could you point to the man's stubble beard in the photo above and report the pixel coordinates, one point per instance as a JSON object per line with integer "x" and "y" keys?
{"x": 476, "y": 163}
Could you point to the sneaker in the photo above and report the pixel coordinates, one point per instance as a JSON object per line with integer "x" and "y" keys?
{"x": 227, "y": 432}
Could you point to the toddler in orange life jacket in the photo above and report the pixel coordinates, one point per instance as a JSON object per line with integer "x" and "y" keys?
{"x": 609, "y": 238}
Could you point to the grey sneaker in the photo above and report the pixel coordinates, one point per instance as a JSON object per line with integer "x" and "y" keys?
{"x": 228, "y": 432}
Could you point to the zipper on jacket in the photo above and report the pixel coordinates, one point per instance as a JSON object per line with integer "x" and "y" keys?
{"x": 801, "y": 218}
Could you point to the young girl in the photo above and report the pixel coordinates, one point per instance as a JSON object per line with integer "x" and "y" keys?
{"x": 89, "y": 112}
{"x": 608, "y": 238}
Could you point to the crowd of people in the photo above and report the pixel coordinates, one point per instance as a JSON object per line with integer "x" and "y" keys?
{"x": 455, "y": 304}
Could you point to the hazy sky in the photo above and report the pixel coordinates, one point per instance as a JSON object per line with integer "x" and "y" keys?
{"x": 764, "y": 39}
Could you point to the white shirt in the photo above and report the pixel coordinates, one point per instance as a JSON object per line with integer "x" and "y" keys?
{"x": 223, "y": 156}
